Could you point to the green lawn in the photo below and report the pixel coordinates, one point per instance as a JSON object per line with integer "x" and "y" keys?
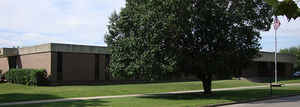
{"x": 287, "y": 81}
{"x": 13, "y": 92}
{"x": 178, "y": 100}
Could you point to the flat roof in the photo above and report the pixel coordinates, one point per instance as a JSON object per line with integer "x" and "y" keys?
{"x": 8, "y": 52}
{"x": 54, "y": 47}
{"x": 270, "y": 57}
{"x": 73, "y": 48}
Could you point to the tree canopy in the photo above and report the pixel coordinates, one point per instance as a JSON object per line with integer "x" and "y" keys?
{"x": 294, "y": 51}
{"x": 286, "y": 8}
{"x": 150, "y": 38}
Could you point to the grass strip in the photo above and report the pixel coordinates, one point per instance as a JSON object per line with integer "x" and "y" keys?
{"x": 178, "y": 100}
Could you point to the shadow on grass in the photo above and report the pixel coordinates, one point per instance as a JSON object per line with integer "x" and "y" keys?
{"x": 82, "y": 103}
{"x": 16, "y": 97}
{"x": 229, "y": 96}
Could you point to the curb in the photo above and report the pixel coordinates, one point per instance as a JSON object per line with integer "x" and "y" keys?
{"x": 253, "y": 100}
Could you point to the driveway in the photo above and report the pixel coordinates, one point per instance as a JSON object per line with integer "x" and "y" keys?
{"x": 280, "y": 102}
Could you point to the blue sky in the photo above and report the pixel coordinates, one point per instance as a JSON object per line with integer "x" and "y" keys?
{"x": 32, "y": 22}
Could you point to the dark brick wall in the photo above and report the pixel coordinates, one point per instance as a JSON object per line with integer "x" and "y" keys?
{"x": 266, "y": 69}
{"x": 78, "y": 67}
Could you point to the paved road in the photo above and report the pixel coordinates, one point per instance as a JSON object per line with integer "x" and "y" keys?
{"x": 280, "y": 102}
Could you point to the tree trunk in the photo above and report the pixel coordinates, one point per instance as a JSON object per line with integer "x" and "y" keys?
{"x": 206, "y": 83}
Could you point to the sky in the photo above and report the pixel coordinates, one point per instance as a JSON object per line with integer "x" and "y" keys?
{"x": 32, "y": 22}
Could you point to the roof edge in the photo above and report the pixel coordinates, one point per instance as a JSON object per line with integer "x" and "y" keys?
{"x": 54, "y": 47}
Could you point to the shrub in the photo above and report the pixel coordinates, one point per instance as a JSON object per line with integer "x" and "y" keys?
{"x": 26, "y": 76}
{"x": 1, "y": 75}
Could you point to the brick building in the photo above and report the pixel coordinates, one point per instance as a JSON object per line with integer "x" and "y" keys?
{"x": 264, "y": 66}
{"x": 63, "y": 62}
{"x": 81, "y": 63}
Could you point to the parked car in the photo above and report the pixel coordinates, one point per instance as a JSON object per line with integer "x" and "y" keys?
{"x": 296, "y": 74}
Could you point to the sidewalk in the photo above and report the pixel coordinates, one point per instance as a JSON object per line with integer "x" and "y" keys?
{"x": 132, "y": 95}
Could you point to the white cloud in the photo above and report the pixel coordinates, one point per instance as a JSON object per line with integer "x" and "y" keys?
{"x": 287, "y": 28}
{"x": 7, "y": 43}
{"x": 10, "y": 39}
{"x": 78, "y": 21}
{"x": 288, "y": 35}
{"x": 32, "y": 22}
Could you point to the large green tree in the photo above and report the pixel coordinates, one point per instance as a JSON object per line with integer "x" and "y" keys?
{"x": 150, "y": 38}
{"x": 286, "y": 8}
{"x": 294, "y": 51}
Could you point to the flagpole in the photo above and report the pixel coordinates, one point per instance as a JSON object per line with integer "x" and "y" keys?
{"x": 276, "y": 82}
{"x": 276, "y": 26}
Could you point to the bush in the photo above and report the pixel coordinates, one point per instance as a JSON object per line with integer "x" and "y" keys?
{"x": 26, "y": 76}
{"x": 1, "y": 75}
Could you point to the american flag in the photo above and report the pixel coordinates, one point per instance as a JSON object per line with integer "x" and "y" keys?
{"x": 276, "y": 23}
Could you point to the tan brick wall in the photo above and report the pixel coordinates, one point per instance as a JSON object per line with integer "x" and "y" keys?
{"x": 36, "y": 61}
{"x": 78, "y": 67}
{"x": 4, "y": 64}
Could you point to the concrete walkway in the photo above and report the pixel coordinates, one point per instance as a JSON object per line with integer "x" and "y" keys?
{"x": 122, "y": 96}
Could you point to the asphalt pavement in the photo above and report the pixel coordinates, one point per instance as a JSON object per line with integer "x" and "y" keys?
{"x": 280, "y": 102}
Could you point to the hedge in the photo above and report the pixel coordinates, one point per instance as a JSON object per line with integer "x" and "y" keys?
{"x": 26, "y": 76}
